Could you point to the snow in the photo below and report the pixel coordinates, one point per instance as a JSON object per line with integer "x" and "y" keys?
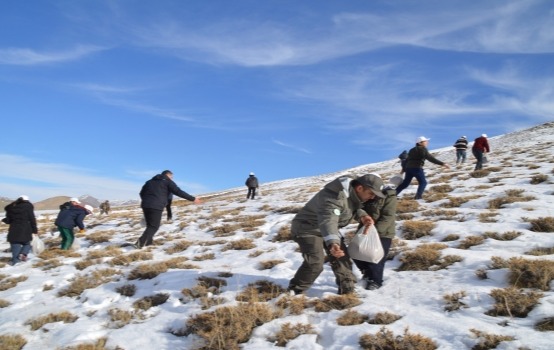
{"x": 416, "y": 296}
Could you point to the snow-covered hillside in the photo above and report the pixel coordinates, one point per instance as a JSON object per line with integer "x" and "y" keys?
{"x": 464, "y": 262}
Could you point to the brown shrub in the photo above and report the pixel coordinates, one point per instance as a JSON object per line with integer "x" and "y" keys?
{"x": 296, "y": 304}
{"x": 426, "y": 258}
{"x": 480, "y": 173}
{"x": 417, "y": 229}
{"x": 540, "y": 251}
{"x": 262, "y": 290}
{"x": 498, "y": 263}
{"x": 100, "y": 237}
{"x": 406, "y": 206}
{"x": 64, "y": 316}
{"x": 351, "y": 318}
{"x": 453, "y": 301}
{"x": 12, "y": 342}
{"x": 489, "y": 341}
{"x": 506, "y": 236}
{"x": 531, "y": 273}
{"x": 10, "y": 282}
{"x": 537, "y": 179}
{"x": 513, "y": 302}
{"x": 456, "y": 202}
{"x": 545, "y": 325}
{"x": 511, "y": 196}
{"x": 451, "y": 237}
{"x": 81, "y": 282}
{"x": 127, "y": 290}
{"x": 471, "y": 241}
{"x": 178, "y": 247}
{"x": 288, "y": 210}
{"x": 241, "y": 244}
{"x": 336, "y": 302}
{"x": 283, "y": 235}
{"x": 289, "y": 332}
{"x": 384, "y": 318}
{"x": 147, "y": 302}
{"x": 487, "y": 217}
{"x": 225, "y": 230}
{"x": 4, "y": 303}
{"x": 542, "y": 224}
{"x": 207, "y": 256}
{"x": 386, "y": 340}
{"x": 269, "y": 264}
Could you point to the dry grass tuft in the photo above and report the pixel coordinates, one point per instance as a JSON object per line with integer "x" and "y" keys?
{"x": 537, "y": 179}
{"x": 100, "y": 344}
{"x": 126, "y": 260}
{"x": 513, "y": 302}
{"x": 120, "y": 318}
{"x": 489, "y": 341}
{"x": 178, "y": 247}
{"x": 12, "y": 342}
{"x": 64, "y": 316}
{"x": 426, "y": 257}
{"x": 336, "y": 302}
{"x": 10, "y": 282}
{"x": 471, "y": 241}
{"x": 386, "y": 340}
{"x": 384, "y": 318}
{"x": 240, "y": 244}
{"x": 127, "y": 290}
{"x": 227, "y": 327}
{"x": 531, "y": 273}
{"x": 269, "y": 264}
{"x": 147, "y": 302}
{"x": 225, "y": 230}
{"x": 283, "y": 235}
{"x": 100, "y": 237}
{"x": 351, "y": 318}
{"x": 289, "y": 332}
{"x": 262, "y": 290}
{"x": 4, "y": 303}
{"x": 453, "y": 301}
{"x": 287, "y": 210}
{"x": 417, "y": 229}
{"x": 407, "y": 206}
{"x": 451, "y": 237}
{"x": 506, "y": 236}
{"x": 540, "y": 251}
{"x": 456, "y": 202}
{"x": 545, "y": 325}
{"x": 151, "y": 270}
{"x": 541, "y": 224}
{"x": 203, "y": 257}
{"x": 511, "y": 196}
{"x": 295, "y": 304}
{"x": 81, "y": 282}
{"x": 487, "y": 217}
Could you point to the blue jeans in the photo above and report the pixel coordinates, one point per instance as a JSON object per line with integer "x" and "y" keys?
{"x": 19, "y": 248}
{"x": 460, "y": 156}
{"x": 419, "y": 174}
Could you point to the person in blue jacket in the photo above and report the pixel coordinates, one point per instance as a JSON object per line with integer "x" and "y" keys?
{"x": 154, "y": 197}
{"x": 70, "y": 216}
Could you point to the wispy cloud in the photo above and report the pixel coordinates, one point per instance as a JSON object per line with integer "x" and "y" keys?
{"x": 30, "y": 57}
{"x": 293, "y": 147}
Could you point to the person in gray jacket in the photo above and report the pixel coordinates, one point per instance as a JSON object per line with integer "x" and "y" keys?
{"x": 316, "y": 229}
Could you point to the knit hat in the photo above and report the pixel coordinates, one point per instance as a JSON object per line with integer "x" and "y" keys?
{"x": 373, "y": 182}
{"x": 421, "y": 139}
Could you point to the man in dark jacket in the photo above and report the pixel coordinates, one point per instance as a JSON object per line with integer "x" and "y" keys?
{"x": 252, "y": 184}
{"x": 69, "y": 217}
{"x": 316, "y": 229}
{"x": 154, "y": 196}
{"x": 480, "y": 147}
{"x": 20, "y": 216}
{"x": 461, "y": 148}
{"x": 414, "y": 166}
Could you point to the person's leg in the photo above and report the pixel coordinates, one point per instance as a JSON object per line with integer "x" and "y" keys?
{"x": 67, "y": 237}
{"x": 479, "y": 157}
{"x": 249, "y": 192}
{"x": 153, "y": 218}
{"x": 421, "y": 181}
{"x": 458, "y": 156}
{"x": 253, "y": 192}
{"x": 25, "y": 251}
{"x": 312, "y": 249}
{"x": 16, "y": 250}
{"x": 375, "y": 271}
{"x": 342, "y": 268}
{"x": 463, "y": 156}
{"x": 408, "y": 176}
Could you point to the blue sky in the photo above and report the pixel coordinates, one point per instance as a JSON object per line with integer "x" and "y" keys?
{"x": 98, "y": 96}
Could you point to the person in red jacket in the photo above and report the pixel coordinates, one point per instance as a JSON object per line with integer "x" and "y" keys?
{"x": 480, "y": 147}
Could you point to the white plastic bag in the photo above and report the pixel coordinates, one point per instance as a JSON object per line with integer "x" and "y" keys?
{"x": 75, "y": 245}
{"x": 366, "y": 247}
{"x": 37, "y": 245}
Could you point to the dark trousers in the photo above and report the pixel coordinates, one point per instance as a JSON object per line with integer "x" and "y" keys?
{"x": 419, "y": 174}
{"x": 478, "y": 154}
{"x": 153, "y": 218}
{"x": 373, "y": 271}
{"x": 19, "y": 248}
{"x": 251, "y": 192}
{"x": 460, "y": 156}
{"x": 67, "y": 237}
{"x": 168, "y": 209}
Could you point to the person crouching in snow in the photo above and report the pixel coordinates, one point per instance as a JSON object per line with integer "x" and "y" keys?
{"x": 69, "y": 217}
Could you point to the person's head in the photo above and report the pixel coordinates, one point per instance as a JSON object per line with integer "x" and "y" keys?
{"x": 422, "y": 140}
{"x": 168, "y": 174}
{"x": 74, "y": 200}
{"x": 368, "y": 187}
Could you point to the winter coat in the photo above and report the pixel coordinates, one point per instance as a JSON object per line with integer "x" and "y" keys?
{"x": 155, "y": 192}
{"x": 21, "y": 218}
{"x": 105, "y": 206}
{"x": 418, "y": 155}
{"x": 252, "y": 181}
{"x": 461, "y": 143}
{"x": 331, "y": 208}
{"x": 481, "y": 144}
{"x": 383, "y": 212}
{"x": 71, "y": 216}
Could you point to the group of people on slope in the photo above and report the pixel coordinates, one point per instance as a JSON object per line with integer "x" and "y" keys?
{"x": 20, "y": 217}
{"x": 412, "y": 162}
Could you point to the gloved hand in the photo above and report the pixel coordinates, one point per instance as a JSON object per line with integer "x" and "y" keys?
{"x": 82, "y": 230}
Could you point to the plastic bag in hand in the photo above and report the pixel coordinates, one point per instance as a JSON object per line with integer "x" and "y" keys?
{"x": 366, "y": 247}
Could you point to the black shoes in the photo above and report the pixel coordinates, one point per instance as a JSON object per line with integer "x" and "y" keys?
{"x": 371, "y": 284}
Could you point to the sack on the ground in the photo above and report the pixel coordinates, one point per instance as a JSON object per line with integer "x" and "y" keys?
{"x": 75, "y": 245}
{"x": 37, "y": 245}
{"x": 366, "y": 247}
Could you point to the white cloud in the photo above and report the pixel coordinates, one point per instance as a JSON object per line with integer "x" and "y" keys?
{"x": 29, "y": 57}
{"x": 287, "y": 145}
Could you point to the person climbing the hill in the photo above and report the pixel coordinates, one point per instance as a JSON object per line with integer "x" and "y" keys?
{"x": 414, "y": 166}
{"x": 316, "y": 230}
{"x": 252, "y": 184}
{"x": 403, "y": 158}
{"x": 480, "y": 147}
{"x": 20, "y": 216}
{"x": 154, "y": 197}
{"x": 68, "y": 218}
{"x": 461, "y": 148}
{"x": 383, "y": 213}
{"x": 105, "y": 207}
